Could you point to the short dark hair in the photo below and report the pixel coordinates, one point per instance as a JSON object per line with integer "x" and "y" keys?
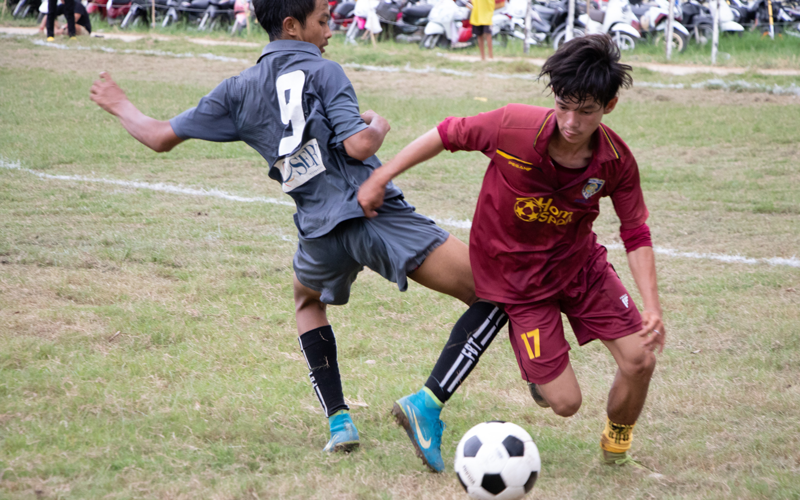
{"x": 585, "y": 67}
{"x": 271, "y": 13}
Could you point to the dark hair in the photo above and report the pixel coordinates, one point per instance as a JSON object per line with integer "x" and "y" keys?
{"x": 587, "y": 67}
{"x": 271, "y": 13}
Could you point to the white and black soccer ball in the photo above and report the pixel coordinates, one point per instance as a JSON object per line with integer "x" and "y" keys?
{"x": 497, "y": 461}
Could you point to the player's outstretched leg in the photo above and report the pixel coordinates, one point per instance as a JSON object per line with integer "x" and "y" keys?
{"x": 627, "y": 396}
{"x": 318, "y": 345}
{"x": 419, "y": 412}
{"x": 447, "y": 270}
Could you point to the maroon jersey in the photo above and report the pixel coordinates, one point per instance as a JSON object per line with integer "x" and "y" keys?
{"x": 530, "y": 237}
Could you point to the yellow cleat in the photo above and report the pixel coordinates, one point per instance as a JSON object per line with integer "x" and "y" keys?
{"x": 51, "y": 39}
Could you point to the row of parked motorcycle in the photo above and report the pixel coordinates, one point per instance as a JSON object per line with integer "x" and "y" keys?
{"x": 445, "y": 23}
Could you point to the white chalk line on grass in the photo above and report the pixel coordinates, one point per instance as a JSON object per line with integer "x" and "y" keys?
{"x": 446, "y": 222}
{"x": 159, "y": 186}
{"x": 712, "y": 84}
{"x": 729, "y": 259}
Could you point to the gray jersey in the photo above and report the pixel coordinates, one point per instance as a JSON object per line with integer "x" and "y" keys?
{"x": 296, "y": 109}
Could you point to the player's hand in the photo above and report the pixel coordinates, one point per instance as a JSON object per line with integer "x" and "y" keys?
{"x": 653, "y": 332}
{"x": 370, "y": 194}
{"x": 107, "y": 94}
{"x": 368, "y": 116}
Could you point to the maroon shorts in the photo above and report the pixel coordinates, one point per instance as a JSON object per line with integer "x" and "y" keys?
{"x": 597, "y": 305}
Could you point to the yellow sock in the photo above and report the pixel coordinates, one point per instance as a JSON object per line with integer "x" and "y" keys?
{"x": 616, "y": 438}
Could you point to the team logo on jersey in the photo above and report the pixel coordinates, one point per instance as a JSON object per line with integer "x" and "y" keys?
{"x": 592, "y": 187}
{"x": 541, "y": 210}
{"x": 624, "y": 300}
{"x": 301, "y": 167}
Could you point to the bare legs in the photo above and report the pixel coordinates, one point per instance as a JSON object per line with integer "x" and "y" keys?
{"x": 628, "y": 392}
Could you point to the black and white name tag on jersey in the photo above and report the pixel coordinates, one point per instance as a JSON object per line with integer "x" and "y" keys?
{"x": 301, "y": 167}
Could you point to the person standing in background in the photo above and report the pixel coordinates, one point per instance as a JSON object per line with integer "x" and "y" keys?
{"x": 52, "y": 13}
{"x": 481, "y": 21}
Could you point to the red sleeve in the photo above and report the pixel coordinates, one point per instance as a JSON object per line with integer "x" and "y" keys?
{"x": 636, "y": 238}
{"x": 628, "y": 198}
{"x": 474, "y": 133}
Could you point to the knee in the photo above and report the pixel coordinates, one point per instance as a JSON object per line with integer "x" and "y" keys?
{"x": 566, "y": 406}
{"x": 640, "y": 367}
{"x": 304, "y": 300}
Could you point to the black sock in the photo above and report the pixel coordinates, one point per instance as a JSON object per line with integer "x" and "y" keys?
{"x": 470, "y": 337}
{"x": 319, "y": 349}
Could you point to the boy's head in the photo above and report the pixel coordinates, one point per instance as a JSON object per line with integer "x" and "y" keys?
{"x": 585, "y": 75}
{"x": 304, "y": 20}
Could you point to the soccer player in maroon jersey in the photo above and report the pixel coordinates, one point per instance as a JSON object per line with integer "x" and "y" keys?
{"x": 532, "y": 248}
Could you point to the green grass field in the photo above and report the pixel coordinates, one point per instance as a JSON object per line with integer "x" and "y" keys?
{"x": 147, "y": 339}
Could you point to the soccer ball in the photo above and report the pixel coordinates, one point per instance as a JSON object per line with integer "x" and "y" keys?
{"x": 497, "y": 461}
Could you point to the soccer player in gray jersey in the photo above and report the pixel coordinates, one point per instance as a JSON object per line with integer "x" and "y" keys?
{"x": 300, "y": 112}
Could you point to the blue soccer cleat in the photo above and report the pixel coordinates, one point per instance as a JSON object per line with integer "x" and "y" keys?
{"x": 419, "y": 416}
{"x": 344, "y": 435}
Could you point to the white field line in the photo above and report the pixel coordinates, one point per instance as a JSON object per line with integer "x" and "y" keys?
{"x": 160, "y": 186}
{"x": 712, "y": 84}
{"x": 447, "y": 222}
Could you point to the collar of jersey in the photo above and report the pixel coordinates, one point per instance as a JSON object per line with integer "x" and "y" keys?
{"x": 606, "y": 149}
{"x": 290, "y": 45}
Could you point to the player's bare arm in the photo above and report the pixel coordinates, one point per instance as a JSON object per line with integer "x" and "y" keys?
{"x": 642, "y": 263}
{"x": 425, "y": 147}
{"x": 155, "y": 134}
{"x": 367, "y": 142}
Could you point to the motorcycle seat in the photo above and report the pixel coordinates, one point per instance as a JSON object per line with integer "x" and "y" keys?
{"x": 418, "y": 10}
{"x": 640, "y": 9}
{"x": 597, "y": 15}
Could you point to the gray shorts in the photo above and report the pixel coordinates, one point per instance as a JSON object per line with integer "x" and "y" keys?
{"x": 393, "y": 244}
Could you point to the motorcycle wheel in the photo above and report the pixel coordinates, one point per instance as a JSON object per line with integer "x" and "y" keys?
{"x": 624, "y": 41}
{"x": 429, "y": 41}
{"x": 679, "y": 41}
{"x": 561, "y": 36}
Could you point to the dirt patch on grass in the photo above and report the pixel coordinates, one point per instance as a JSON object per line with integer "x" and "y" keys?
{"x": 434, "y": 85}
{"x": 48, "y": 302}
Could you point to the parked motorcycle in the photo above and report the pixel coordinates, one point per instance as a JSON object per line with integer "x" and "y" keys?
{"x": 242, "y": 9}
{"x": 617, "y": 21}
{"x": 509, "y": 22}
{"x": 448, "y": 25}
{"x": 652, "y": 23}
{"x": 699, "y": 20}
{"x": 217, "y": 14}
{"x": 111, "y": 10}
{"x": 140, "y": 12}
{"x": 403, "y": 19}
{"x": 341, "y": 15}
{"x": 26, "y": 8}
{"x": 191, "y": 11}
{"x": 551, "y": 20}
